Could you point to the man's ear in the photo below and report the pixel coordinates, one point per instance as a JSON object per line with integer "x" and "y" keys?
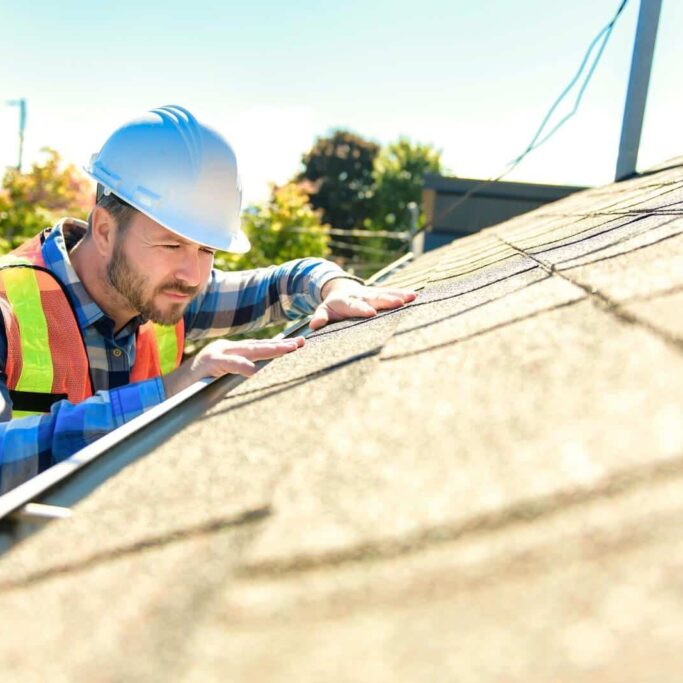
{"x": 104, "y": 229}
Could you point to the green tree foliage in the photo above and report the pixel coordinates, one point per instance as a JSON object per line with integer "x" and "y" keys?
{"x": 32, "y": 201}
{"x": 338, "y": 177}
{"x": 283, "y": 228}
{"x": 398, "y": 179}
{"x": 357, "y": 185}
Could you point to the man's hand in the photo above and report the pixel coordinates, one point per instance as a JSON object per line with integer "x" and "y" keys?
{"x": 344, "y": 298}
{"x": 222, "y": 357}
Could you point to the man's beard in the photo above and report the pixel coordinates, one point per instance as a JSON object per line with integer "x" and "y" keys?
{"x": 131, "y": 285}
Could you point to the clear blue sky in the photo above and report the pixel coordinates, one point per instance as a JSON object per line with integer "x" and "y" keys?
{"x": 472, "y": 77}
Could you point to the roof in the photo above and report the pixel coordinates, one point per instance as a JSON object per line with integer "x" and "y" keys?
{"x": 483, "y": 486}
{"x": 461, "y": 206}
{"x": 540, "y": 192}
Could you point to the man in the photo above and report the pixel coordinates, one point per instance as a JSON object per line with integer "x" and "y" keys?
{"x": 95, "y": 316}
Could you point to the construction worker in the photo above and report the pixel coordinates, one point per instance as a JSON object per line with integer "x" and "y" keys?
{"x": 95, "y": 316}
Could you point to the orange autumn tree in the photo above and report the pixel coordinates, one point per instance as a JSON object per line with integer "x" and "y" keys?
{"x": 36, "y": 199}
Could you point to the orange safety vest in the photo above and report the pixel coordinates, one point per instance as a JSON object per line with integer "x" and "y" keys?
{"x": 46, "y": 356}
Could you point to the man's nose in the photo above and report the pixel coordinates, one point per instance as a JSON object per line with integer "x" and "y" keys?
{"x": 189, "y": 270}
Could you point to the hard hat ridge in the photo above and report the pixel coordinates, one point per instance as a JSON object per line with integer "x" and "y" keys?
{"x": 187, "y": 126}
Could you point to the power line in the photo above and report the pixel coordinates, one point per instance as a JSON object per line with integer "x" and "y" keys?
{"x": 603, "y": 35}
{"x": 345, "y": 232}
{"x": 350, "y": 246}
{"x": 363, "y": 232}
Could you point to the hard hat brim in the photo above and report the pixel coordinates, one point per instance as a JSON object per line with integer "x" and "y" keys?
{"x": 236, "y": 243}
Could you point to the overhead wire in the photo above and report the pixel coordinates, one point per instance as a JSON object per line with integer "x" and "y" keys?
{"x": 345, "y": 232}
{"x": 350, "y": 246}
{"x": 604, "y": 35}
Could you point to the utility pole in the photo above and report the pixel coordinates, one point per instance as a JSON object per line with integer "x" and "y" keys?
{"x": 21, "y": 103}
{"x": 639, "y": 80}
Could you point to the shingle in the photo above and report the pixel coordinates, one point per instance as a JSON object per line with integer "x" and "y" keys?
{"x": 582, "y": 593}
{"x": 482, "y": 486}
{"x": 619, "y": 236}
{"x": 586, "y": 596}
{"x": 533, "y": 409}
{"x": 458, "y": 313}
{"x": 661, "y": 312}
{"x": 651, "y": 265}
{"x": 126, "y": 616}
{"x": 416, "y": 274}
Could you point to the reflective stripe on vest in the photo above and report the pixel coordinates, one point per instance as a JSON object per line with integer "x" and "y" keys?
{"x": 23, "y": 294}
{"x": 167, "y": 343}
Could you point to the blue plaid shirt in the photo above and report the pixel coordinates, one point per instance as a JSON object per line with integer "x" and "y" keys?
{"x": 232, "y": 302}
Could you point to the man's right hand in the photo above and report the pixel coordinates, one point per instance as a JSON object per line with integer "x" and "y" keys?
{"x": 222, "y": 357}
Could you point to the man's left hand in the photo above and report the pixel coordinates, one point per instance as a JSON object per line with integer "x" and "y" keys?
{"x": 344, "y": 298}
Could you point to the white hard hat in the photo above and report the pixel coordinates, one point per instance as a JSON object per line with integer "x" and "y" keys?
{"x": 178, "y": 172}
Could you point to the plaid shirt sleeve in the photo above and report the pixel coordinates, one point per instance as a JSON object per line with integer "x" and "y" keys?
{"x": 232, "y": 302}
{"x": 29, "y": 445}
{"x": 236, "y": 302}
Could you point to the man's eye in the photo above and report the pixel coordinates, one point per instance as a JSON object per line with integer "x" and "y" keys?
{"x": 210, "y": 252}
{"x": 170, "y": 246}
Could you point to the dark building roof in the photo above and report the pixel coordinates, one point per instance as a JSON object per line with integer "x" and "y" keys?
{"x": 455, "y": 207}
{"x": 483, "y": 486}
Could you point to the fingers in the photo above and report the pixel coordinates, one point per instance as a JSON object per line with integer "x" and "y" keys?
{"x": 264, "y": 349}
{"x": 233, "y": 365}
{"x": 340, "y": 308}
{"x": 357, "y": 307}
{"x": 320, "y": 317}
{"x": 386, "y": 300}
{"x": 383, "y": 298}
{"x": 223, "y": 357}
{"x": 360, "y": 302}
{"x": 238, "y": 358}
{"x": 406, "y": 294}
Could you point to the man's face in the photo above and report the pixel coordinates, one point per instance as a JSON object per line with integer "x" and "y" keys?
{"x": 157, "y": 272}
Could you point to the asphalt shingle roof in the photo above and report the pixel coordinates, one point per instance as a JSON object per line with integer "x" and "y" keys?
{"x": 483, "y": 486}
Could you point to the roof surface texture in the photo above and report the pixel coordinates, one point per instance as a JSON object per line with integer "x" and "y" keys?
{"x": 484, "y": 486}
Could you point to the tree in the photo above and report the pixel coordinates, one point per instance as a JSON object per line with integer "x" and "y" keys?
{"x": 399, "y": 176}
{"x": 338, "y": 177}
{"x": 283, "y": 228}
{"x": 32, "y": 201}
